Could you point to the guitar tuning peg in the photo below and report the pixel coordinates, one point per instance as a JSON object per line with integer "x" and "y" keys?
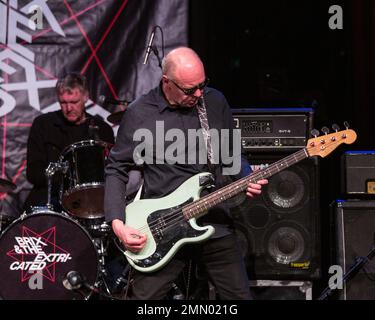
{"x": 335, "y": 127}
{"x": 314, "y": 133}
{"x": 346, "y": 124}
{"x": 325, "y": 130}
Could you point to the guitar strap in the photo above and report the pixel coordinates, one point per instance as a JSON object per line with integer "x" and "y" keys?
{"x": 202, "y": 114}
{"x": 139, "y": 193}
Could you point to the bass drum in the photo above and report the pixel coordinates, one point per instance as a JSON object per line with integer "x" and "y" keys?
{"x": 40, "y": 253}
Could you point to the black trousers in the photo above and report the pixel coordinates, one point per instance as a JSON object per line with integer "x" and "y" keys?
{"x": 221, "y": 260}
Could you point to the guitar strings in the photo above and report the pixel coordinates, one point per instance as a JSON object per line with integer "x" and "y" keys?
{"x": 179, "y": 218}
{"x": 173, "y": 218}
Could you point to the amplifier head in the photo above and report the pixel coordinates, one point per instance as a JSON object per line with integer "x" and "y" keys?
{"x": 273, "y": 129}
{"x": 358, "y": 173}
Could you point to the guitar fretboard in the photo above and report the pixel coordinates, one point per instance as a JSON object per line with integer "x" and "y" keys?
{"x": 200, "y": 207}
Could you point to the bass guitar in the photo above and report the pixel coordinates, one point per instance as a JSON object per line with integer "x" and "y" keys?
{"x": 170, "y": 222}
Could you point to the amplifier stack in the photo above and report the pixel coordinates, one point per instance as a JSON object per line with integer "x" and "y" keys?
{"x": 279, "y": 231}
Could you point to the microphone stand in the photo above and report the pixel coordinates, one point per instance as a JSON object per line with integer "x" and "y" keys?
{"x": 359, "y": 263}
{"x": 156, "y": 53}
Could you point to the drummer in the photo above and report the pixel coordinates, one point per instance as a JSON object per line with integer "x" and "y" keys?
{"x": 50, "y": 133}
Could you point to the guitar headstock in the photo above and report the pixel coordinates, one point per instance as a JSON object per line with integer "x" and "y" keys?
{"x": 322, "y": 146}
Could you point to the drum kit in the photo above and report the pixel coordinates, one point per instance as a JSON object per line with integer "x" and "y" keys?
{"x": 53, "y": 255}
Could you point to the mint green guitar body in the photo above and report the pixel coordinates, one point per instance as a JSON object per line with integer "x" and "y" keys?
{"x": 165, "y": 225}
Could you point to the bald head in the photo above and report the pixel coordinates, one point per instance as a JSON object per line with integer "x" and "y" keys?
{"x": 180, "y": 62}
{"x": 182, "y": 70}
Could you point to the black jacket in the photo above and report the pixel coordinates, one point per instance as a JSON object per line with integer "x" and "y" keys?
{"x": 49, "y": 135}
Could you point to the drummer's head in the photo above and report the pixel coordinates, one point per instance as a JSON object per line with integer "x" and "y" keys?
{"x": 73, "y": 93}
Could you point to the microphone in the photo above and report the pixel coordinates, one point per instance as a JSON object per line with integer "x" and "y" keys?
{"x": 105, "y": 100}
{"x": 149, "y": 47}
{"x": 73, "y": 280}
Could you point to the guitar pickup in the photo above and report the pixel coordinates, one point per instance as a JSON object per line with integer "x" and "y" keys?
{"x": 207, "y": 181}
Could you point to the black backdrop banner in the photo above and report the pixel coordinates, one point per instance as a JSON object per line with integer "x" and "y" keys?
{"x": 105, "y": 40}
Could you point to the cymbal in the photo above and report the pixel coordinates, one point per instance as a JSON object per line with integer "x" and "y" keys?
{"x": 116, "y": 117}
{"x": 6, "y": 186}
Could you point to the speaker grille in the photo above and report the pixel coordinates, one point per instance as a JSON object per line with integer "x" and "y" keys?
{"x": 288, "y": 190}
{"x": 287, "y": 242}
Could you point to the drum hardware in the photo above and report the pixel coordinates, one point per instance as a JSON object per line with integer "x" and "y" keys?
{"x": 102, "y": 253}
{"x": 93, "y": 130}
{"x": 23, "y": 216}
{"x": 122, "y": 105}
{"x": 40, "y": 209}
{"x": 99, "y": 231}
{"x": 122, "y": 280}
{"x": 51, "y": 170}
{"x": 115, "y": 117}
{"x": 98, "y": 228}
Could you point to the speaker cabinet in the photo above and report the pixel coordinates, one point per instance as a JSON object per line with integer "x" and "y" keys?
{"x": 355, "y": 236}
{"x": 358, "y": 174}
{"x": 279, "y": 231}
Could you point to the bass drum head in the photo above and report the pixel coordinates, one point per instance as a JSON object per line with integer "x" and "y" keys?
{"x": 36, "y": 254}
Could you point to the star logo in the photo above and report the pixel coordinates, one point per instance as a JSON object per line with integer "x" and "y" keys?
{"x": 37, "y": 249}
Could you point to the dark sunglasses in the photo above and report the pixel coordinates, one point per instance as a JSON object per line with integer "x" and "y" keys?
{"x": 191, "y": 91}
